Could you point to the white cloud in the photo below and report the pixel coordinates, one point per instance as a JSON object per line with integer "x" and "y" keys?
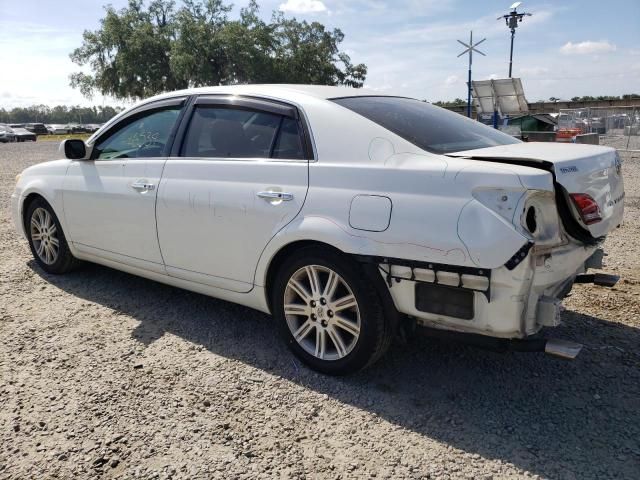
{"x": 587, "y": 47}
{"x": 451, "y": 80}
{"x": 303, "y": 6}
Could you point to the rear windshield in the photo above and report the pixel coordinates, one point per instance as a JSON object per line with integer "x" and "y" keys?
{"x": 431, "y": 128}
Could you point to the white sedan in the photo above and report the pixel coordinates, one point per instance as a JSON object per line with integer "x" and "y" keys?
{"x": 344, "y": 213}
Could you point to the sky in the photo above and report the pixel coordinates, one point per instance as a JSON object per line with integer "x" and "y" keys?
{"x": 565, "y": 49}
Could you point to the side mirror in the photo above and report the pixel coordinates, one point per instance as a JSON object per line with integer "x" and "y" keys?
{"x": 73, "y": 149}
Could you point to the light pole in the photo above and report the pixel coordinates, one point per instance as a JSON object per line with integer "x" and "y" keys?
{"x": 470, "y": 48}
{"x": 512, "y": 19}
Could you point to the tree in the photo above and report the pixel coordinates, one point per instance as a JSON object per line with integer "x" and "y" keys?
{"x": 130, "y": 54}
{"x": 458, "y": 102}
{"x": 139, "y": 51}
{"x": 58, "y": 114}
{"x": 589, "y": 98}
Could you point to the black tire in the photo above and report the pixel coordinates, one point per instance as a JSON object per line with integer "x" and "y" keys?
{"x": 375, "y": 328}
{"x": 64, "y": 261}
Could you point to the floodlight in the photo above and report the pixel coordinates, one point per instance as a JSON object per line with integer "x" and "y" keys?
{"x": 512, "y": 19}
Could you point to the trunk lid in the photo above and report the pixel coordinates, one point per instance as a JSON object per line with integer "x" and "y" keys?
{"x": 580, "y": 169}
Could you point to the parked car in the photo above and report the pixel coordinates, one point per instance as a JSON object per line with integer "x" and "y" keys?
{"x": 342, "y": 212}
{"x": 77, "y": 128}
{"x": 24, "y": 135}
{"x": 91, "y": 127}
{"x": 6, "y": 134}
{"x": 57, "y": 129}
{"x": 37, "y": 128}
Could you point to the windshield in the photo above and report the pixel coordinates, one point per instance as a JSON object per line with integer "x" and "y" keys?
{"x": 431, "y": 128}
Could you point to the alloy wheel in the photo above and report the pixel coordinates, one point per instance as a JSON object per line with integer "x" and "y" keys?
{"x": 322, "y": 312}
{"x": 44, "y": 235}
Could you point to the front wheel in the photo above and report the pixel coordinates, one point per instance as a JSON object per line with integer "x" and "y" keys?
{"x": 330, "y": 316}
{"x": 46, "y": 239}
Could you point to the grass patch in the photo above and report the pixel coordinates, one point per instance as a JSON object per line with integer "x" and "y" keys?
{"x": 63, "y": 136}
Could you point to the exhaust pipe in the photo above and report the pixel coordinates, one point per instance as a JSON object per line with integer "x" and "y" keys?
{"x": 551, "y": 346}
{"x": 600, "y": 279}
{"x": 562, "y": 348}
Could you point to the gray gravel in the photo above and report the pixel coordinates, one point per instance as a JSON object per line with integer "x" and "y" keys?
{"x": 107, "y": 375}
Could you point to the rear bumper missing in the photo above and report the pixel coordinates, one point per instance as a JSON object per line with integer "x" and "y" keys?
{"x": 501, "y": 303}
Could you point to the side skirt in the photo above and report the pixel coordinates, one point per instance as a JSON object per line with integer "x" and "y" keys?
{"x": 255, "y": 299}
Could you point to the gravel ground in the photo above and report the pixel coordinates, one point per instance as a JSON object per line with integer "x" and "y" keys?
{"x": 104, "y": 374}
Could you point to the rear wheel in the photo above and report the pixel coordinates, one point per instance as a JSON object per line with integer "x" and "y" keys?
{"x": 46, "y": 239}
{"x": 329, "y": 315}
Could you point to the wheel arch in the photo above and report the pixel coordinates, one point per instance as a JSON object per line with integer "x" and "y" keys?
{"x": 370, "y": 270}
{"x": 28, "y": 200}
{"x": 29, "y": 195}
{"x": 49, "y": 187}
{"x": 320, "y": 231}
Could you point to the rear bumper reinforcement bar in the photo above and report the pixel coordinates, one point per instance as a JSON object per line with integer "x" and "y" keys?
{"x": 436, "y": 268}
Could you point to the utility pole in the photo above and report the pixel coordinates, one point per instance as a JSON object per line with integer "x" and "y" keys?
{"x": 470, "y": 48}
{"x": 512, "y": 19}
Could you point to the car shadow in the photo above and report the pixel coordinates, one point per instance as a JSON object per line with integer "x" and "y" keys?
{"x": 542, "y": 414}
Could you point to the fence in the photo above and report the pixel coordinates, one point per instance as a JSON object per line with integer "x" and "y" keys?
{"x": 617, "y": 127}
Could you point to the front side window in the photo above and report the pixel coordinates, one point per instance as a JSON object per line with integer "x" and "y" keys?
{"x": 429, "y": 127}
{"x": 145, "y": 136}
{"x": 220, "y": 132}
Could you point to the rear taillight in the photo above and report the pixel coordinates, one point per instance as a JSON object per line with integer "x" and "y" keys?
{"x": 587, "y": 207}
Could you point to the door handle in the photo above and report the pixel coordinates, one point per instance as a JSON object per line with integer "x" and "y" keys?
{"x": 271, "y": 195}
{"x": 143, "y": 186}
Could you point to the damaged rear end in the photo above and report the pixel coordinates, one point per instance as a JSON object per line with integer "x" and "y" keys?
{"x": 588, "y": 182}
{"x": 564, "y": 227}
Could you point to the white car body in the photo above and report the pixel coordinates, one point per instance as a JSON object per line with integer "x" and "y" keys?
{"x": 58, "y": 129}
{"x": 455, "y": 219}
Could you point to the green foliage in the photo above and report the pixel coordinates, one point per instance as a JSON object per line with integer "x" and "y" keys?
{"x": 458, "y": 102}
{"x": 143, "y": 50}
{"x": 59, "y": 114}
{"x": 589, "y": 98}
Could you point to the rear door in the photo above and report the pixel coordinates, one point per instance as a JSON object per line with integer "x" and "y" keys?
{"x": 239, "y": 175}
{"x": 110, "y": 199}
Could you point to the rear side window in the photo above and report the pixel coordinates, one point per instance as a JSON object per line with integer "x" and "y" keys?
{"x": 241, "y": 133}
{"x": 429, "y": 127}
{"x": 289, "y": 141}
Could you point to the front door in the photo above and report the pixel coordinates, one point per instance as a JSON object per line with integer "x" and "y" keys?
{"x": 241, "y": 176}
{"x": 109, "y": 200}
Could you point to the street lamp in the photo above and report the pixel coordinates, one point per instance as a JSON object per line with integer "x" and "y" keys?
{"x": 512, "y": 19}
